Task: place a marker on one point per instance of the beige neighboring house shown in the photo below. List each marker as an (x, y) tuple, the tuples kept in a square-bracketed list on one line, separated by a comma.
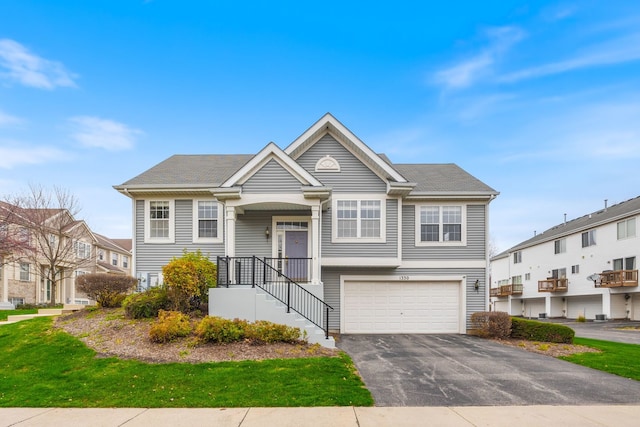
[(24, 267)]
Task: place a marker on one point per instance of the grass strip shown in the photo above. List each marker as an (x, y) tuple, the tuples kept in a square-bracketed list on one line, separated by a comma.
[(41, 366), (5, 313), (614, 357)]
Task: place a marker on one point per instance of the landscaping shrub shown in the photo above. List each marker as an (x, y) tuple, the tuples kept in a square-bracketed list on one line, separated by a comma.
[(188, 280), (169, 326), (491, 324), (146, 304), (541, 331), (269, 332), (108, 290), (219, 330)]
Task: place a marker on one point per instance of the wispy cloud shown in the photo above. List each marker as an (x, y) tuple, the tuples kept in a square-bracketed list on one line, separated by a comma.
[(21, 66), (8, 120), (14, 154), (469, 70), (616, 51), (95, 132), (559, 12)]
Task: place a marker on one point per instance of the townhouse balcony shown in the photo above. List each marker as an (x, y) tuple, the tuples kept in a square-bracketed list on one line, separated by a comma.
[(553, 285), (506, 290), (618, 279)]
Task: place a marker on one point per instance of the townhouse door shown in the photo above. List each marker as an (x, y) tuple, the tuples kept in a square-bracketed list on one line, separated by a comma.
[(295, 250)]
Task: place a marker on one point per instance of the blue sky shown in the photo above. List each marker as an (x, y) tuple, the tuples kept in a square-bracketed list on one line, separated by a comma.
[(540, 100)]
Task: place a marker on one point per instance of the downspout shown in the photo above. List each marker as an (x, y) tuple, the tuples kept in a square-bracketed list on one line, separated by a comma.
[(487, 285), (134, 271)]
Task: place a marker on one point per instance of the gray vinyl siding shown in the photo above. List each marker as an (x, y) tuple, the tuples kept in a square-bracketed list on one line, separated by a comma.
[(369, 250), (354, 176), (331, 278), (476, 237), (150, 257), (250, 232), (272, 178)]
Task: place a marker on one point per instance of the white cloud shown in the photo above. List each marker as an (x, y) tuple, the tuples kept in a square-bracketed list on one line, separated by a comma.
[(28, 69), (559, 12), (95, 132), (8, 120), (14, 155), (468, 71)]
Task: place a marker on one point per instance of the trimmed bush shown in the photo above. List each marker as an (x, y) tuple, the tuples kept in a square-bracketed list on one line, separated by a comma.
[(541, 331), (169, 326), (268, 332), (491, 324), (147, 304), (108, 290), (218, 330), (188, 280)]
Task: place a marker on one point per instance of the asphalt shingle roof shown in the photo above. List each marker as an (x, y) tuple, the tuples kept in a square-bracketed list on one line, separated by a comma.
[(445, 178)]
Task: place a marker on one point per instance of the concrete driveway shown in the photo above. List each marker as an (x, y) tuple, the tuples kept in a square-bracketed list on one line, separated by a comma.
[(461, 370)]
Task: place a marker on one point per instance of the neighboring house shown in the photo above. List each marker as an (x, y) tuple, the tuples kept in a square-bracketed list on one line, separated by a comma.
[(24, 267), (584, 267), (390, 247)]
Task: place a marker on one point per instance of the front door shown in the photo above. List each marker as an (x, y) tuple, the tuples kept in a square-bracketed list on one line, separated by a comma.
[(296, 255)]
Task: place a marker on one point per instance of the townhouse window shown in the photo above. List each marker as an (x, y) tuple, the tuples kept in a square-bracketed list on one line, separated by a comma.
[(25, 269), (575, 269), (359, 219), (588, 238), (52, 240), (436, 224), (16, 301), (559, 273), (125, 261), (101, 255), (560, 246), (503, 282), (159, 221), (627, 229), (82, 249), (527, 276), (114, 259), (24, 235), (207, 221), (517, 257), (516, 280), (628, 263)]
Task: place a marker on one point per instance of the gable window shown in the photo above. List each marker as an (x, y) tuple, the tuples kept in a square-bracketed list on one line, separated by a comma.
[(517, 257), (359, 219), (159, 221), (627, 229), (24, 271), (207, 221), (436, 224), (588, 238), (82, 249), (560, 246), (114, 259)]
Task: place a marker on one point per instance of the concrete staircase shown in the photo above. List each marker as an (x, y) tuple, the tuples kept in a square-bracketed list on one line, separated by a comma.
[(43, 312)]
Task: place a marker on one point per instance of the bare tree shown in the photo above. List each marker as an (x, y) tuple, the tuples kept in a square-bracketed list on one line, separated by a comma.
[(53, 233), (14, 244)]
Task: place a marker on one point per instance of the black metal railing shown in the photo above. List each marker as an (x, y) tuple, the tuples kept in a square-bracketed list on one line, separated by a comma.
[(269, 275)]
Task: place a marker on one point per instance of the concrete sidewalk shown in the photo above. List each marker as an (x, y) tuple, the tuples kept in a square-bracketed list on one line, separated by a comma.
[(522, 416)]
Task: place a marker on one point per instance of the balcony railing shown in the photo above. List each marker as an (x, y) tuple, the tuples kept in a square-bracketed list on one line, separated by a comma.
[(618, 279), (506, 290), (553, 285)]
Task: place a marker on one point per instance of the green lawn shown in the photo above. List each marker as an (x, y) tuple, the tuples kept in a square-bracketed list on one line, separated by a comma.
[(5, 313), (615, 358), (45, 367)]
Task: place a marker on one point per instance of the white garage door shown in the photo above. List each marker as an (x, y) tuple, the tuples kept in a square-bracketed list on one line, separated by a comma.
[(587, 306), (401, 307)]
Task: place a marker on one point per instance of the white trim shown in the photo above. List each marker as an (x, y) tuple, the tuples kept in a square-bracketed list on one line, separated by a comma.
[(147, 222), (445, 263), (274, 233), (399, 212), (271, 151), (327, 164), (195, 223), (360, 262), (460, 279), (463, 227), (359, 198), (256, 198)]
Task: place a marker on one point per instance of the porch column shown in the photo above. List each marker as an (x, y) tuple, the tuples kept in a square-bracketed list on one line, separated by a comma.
[(315, 247), (606, 303), (4, 303), (230, 231)]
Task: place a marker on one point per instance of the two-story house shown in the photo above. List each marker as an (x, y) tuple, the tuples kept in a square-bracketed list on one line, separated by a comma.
[(584, 267), (389, 247), (35, 239)]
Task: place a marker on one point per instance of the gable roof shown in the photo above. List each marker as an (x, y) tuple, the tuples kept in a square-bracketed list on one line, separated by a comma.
[(436, 179), (111, 244), (610, 214)]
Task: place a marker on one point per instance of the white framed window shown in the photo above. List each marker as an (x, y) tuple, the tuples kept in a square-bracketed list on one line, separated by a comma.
[(527, 276), (16, 301), (627, 229), (560, 246), (628, 263), (207, 221), (125, 261), (25, 271), (114, 259), (356, 220), (159, 221), (588, 238), (82, 249), (100, 255), (575, 269), (517, 257), (516, 280), (440, 225)]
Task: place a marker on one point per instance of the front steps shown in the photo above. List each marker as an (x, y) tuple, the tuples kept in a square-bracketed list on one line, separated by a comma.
[(43, 312)]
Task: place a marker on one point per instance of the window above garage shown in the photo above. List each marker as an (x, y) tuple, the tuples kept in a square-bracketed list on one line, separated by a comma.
[(441, 225)]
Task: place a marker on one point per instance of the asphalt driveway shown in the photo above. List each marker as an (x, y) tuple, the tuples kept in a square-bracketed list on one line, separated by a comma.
[(625, 331), (462, 370)]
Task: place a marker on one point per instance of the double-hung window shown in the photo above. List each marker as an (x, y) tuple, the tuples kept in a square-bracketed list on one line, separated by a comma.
[(82, 249), (560, 246), (359, 219), (207, 221), (437, 224), (588, 238), (627, 228), (114, 259), (25, 269), (159, 221)]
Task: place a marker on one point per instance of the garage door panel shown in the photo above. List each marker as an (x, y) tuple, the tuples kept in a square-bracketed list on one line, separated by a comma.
[(417, 307)]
